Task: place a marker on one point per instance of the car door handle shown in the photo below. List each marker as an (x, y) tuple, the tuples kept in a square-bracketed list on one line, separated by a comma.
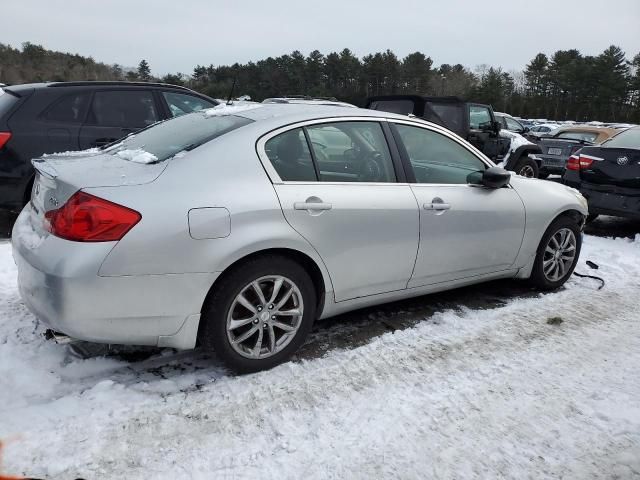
[(437, 206), (312, 206)]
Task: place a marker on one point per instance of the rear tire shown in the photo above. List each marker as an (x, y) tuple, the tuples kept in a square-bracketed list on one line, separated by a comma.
[(527, 168), (236, 318), (552, 266)]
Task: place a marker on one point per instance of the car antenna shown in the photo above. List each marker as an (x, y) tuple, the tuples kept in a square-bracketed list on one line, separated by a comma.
[(233, 86)]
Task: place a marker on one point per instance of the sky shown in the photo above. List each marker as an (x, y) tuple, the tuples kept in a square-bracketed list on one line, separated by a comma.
[(175, 36)]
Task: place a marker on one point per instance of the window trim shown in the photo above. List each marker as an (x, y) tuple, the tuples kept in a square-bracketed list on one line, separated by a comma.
[(442, 131), (275, 178)]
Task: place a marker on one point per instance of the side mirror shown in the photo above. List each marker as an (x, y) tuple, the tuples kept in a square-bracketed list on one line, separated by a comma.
[(526, 129), (497, 126), (495, 177)]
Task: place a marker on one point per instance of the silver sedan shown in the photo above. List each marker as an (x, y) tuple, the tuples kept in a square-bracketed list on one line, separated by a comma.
[(237, 227)]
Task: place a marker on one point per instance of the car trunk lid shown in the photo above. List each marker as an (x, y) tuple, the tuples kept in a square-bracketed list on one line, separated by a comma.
[(60, 176), (612, 166)]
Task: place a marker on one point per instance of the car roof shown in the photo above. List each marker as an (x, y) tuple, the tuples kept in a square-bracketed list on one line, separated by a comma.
[(90, 83), (271, 116), (587, 129)]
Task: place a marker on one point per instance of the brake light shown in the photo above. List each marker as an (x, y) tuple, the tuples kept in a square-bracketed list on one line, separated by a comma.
[(87, 218), (4, 138), (578, 162)]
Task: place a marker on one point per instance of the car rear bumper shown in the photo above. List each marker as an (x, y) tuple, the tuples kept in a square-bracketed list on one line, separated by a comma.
[(59, 283), (552, 163), (616, 202)]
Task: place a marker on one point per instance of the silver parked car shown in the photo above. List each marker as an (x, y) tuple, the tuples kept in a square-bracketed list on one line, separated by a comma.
[(235, 228)]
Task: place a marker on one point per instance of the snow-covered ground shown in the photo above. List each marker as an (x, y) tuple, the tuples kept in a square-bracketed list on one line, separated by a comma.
[(465, 393)]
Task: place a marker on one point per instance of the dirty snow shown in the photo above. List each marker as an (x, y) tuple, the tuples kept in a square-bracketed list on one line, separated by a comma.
[(233, 109), (494, 393), (137, 155)]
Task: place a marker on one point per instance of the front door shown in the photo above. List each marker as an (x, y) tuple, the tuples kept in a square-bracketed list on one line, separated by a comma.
[(466, 230), (338, 188)]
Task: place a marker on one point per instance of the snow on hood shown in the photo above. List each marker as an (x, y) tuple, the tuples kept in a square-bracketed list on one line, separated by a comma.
[(225, 109), (138, 156)]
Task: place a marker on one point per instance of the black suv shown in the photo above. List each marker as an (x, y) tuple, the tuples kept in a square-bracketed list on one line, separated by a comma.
[(475, 122), (41, 118)]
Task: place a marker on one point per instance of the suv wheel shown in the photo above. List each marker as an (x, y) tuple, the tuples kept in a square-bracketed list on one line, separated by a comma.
[(557, 254), (260, 314), (527, 167)]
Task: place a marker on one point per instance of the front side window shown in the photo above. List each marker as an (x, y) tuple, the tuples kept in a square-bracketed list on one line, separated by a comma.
[(479, 117), (123, 108), (179, 103), (68, 109), (438, 159), (351, 152), (513, 125)]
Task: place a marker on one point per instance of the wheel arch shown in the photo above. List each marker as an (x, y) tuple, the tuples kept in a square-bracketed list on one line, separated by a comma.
[(308, 263)]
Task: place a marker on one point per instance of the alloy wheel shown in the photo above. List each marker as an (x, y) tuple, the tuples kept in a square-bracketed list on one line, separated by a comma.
[(264, 317), (559, 254)]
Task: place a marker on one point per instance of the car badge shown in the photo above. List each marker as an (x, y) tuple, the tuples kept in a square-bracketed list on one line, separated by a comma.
[(53, 201), (622, 160)]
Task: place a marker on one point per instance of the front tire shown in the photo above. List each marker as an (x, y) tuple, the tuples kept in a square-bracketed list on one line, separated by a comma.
[(557, 254), (260, 314)]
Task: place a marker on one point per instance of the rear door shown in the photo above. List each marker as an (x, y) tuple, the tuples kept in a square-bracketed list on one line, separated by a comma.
[(114, 114), (341, 190), (466, 230)]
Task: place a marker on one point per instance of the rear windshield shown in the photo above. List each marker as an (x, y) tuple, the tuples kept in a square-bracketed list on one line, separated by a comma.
[(627, 139), (7, 101), (182, 134), (582, 136)]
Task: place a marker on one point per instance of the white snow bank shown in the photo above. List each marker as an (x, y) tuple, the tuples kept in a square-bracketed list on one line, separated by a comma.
[(224, 109), (138, 155), (469, 394), (75, 153)]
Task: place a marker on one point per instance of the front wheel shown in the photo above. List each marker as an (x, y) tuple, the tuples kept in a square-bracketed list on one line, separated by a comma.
[(557, 254), (527, 168), (260, 314)]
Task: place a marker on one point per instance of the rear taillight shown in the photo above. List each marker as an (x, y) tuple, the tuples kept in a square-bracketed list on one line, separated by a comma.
[(578, 162), (86, 218), (4, 138)]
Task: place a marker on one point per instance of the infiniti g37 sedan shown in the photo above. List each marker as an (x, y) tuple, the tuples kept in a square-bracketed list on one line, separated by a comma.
[(235, 228)]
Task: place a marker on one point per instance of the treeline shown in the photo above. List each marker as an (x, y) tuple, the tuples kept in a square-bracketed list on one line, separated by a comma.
[(566, 85)]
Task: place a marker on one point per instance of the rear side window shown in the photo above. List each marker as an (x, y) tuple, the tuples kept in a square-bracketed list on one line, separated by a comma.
[(627, 139), (179, 103), (7, 101), (181, 134), (123, 108), (68, 109), (290, 156), (403, 107)]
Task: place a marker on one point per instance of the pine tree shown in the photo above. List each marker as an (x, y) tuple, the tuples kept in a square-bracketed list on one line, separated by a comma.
[(144, 71)]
